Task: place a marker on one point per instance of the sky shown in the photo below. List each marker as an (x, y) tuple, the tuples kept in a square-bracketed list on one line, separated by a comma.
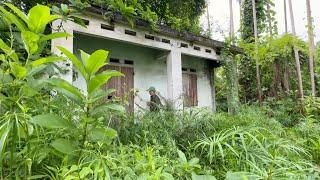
[(219, 17)]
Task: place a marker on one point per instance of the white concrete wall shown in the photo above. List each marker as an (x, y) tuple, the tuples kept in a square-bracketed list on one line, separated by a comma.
[(149, 66)]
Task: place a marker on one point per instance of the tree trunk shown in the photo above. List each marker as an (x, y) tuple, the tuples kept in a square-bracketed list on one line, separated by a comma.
[(259, 89), (232, 76), (285, 16), (311, 49), (286, 78), (231, 20), (208, 20), (276, 63), (296, 55)]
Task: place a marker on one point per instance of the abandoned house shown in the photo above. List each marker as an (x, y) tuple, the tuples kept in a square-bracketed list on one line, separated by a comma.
[(178, 65)]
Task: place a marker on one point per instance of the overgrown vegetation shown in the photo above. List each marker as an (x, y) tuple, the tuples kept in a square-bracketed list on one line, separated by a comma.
[(51, 130), (155, 12)]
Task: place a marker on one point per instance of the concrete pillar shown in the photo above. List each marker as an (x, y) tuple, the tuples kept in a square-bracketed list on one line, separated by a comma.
[(174, 84), (213, 90), (66, 43)]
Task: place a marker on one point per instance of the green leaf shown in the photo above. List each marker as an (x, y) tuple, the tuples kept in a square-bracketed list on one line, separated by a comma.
[(64, 146), (13, 19), (45, 60), (109, 107), (95, 61), (99, 94), (39, 17), (97, 81), (85, 172), (54, 36), (4, 132), (75, 61), (67, 89), (50, 121), (30, 40), (194, 161), (84, 56), (38, 177), (20, 14), (5, 78), (236, 176), (102, 134), (182, 157), (18, 71), (202, 177), (6, 49), (36, 70)]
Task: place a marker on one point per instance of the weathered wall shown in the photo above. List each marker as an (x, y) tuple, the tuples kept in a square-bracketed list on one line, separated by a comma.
[(149, 66)]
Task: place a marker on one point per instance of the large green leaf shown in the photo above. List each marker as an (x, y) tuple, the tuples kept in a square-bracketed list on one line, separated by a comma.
[(85, 172), (54, 36), (18, 12), (108, 107), (97, 81), (4, 132), (102, 134), (45, 60), (67, 89), (64, 146), (18, 71), (84, 56), (96, 61), (10, 52), (13, 19), (39, 17), (75, 61), (50, 121), (30, 41), (100, 94)]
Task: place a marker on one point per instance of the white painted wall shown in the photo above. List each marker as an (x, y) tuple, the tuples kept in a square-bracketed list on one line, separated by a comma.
[(148, 68)]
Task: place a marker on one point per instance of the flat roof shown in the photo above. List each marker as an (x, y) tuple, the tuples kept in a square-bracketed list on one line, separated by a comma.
[(167, 31)]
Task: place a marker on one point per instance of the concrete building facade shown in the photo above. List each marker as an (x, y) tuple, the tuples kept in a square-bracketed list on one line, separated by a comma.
[(179, 68)]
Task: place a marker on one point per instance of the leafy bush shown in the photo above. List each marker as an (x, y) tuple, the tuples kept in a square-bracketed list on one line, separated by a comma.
[(49, 129)]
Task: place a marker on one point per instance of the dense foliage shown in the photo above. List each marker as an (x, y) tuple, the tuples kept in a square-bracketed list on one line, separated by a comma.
[(51, 130), (179, 15)]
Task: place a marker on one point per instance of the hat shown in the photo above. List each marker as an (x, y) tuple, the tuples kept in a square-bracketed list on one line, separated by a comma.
[(151, 89)]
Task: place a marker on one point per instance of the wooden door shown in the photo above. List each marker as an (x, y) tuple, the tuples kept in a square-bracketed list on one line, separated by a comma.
[(190, 90), (123, 86)]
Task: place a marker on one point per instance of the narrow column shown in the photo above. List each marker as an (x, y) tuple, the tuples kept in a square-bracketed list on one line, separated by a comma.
[(66, 43), (174, 84), (212, 77)]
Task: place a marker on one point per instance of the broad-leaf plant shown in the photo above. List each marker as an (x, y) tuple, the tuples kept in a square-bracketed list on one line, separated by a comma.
[(28, 82)]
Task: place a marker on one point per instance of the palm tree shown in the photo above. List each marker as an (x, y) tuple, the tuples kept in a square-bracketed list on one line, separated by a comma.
[(296, 55), (259, 89), (311, 49)]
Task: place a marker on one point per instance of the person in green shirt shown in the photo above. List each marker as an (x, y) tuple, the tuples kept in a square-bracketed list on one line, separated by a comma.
[(155, 102)]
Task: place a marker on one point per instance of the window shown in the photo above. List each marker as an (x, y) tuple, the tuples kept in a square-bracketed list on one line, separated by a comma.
[(107, 27), (190, 91)]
